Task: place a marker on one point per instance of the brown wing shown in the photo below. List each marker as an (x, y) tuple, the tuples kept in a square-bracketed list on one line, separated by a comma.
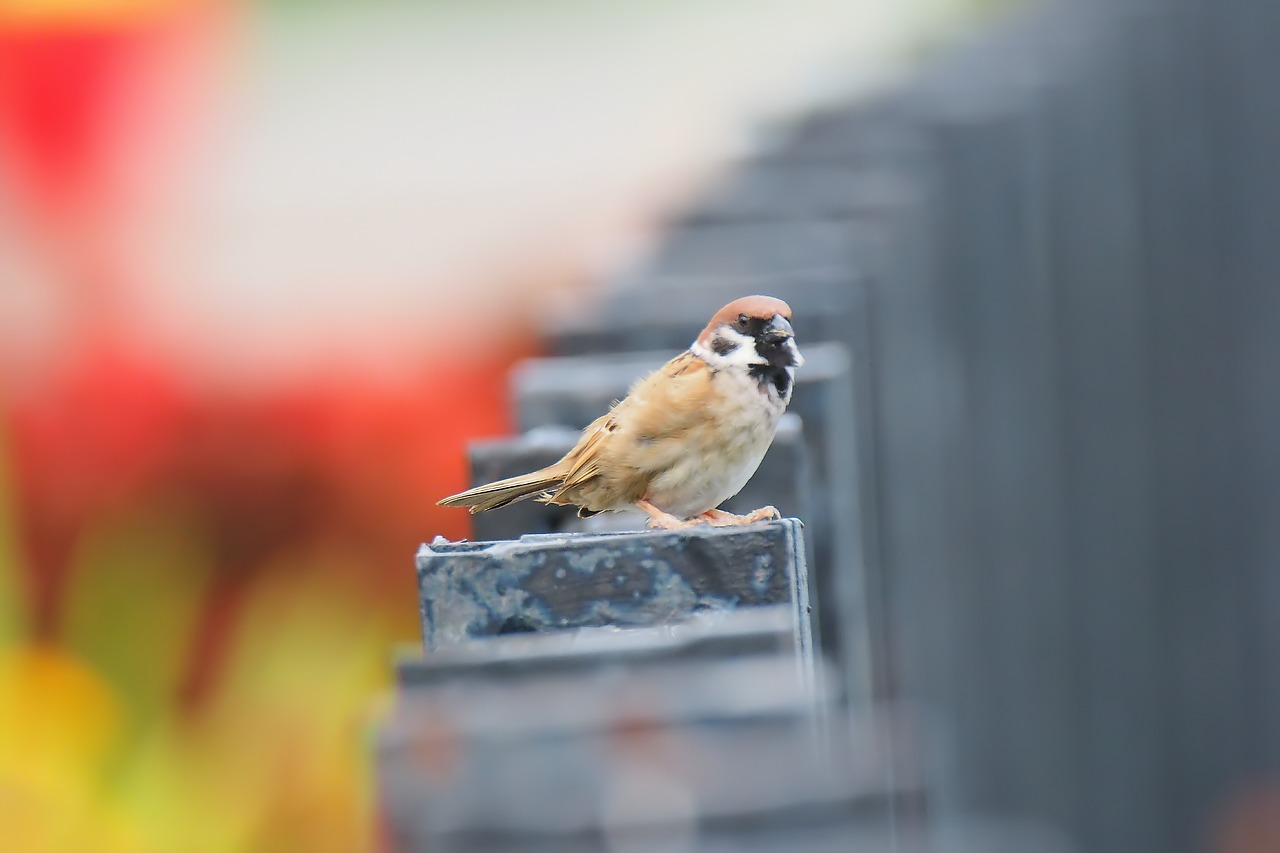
[(640, 437), (669, 403), (584, 459)]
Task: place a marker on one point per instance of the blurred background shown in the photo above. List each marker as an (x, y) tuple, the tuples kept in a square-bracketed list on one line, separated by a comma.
[(264, 267)]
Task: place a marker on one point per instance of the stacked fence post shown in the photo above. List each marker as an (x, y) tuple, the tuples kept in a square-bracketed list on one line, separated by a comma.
[(1034, 456)]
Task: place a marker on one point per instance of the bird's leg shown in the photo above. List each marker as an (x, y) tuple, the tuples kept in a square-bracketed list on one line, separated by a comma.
[(720, 518), (663, 520)]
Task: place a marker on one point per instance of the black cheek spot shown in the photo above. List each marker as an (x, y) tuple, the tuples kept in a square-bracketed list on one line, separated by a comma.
[(723, 346)]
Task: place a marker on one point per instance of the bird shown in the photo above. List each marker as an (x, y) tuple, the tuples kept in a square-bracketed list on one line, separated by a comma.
[(686, 438)]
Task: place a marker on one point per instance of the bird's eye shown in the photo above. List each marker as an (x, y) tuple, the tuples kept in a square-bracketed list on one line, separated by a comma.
[(742, 322)]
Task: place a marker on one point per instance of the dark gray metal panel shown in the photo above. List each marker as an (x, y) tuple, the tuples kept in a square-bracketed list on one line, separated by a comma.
[(704, 745), (1220, 306), (915, 411), (1132, 347), (971, 450), (1008, 595), (1243, 111), (1203, 672), (1104, 409), (1239, 40)]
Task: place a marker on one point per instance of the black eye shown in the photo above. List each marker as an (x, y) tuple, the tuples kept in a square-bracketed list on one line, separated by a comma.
[(742, 322)]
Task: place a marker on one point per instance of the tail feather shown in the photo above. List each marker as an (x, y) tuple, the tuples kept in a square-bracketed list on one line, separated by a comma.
[(498, 494)]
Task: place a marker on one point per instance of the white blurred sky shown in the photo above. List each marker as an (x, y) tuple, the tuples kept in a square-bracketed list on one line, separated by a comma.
[(384, 178)]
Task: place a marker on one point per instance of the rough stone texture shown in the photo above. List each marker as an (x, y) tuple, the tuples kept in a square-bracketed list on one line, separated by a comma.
[(782, 480), (555, 581)]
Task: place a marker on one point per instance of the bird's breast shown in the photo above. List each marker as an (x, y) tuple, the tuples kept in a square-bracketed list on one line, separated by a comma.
[(721, 456)]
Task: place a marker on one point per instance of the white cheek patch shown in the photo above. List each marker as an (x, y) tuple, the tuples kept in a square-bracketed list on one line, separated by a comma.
[(742, 355), (795, 352)]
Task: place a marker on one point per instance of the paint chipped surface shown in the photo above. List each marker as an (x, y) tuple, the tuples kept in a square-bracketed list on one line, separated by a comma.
[(556, 581)]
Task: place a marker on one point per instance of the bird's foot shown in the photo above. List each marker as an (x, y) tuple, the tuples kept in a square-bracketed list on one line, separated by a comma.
[(660, 520), (720, 518)]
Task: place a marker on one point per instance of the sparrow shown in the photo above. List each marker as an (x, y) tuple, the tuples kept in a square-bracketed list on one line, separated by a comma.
[(686, 438)]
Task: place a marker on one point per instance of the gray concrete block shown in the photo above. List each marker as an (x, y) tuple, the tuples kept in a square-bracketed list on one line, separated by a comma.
[(708, 635), (546, 582)]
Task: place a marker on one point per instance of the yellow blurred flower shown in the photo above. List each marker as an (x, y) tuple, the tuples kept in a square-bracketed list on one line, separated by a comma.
[(59, 727)]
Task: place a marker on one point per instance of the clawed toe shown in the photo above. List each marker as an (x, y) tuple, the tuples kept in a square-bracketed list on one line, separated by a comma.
[(719, 518), (660, 520)]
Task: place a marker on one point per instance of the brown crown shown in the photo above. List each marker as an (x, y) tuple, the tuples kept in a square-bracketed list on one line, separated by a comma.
[(762, 307)]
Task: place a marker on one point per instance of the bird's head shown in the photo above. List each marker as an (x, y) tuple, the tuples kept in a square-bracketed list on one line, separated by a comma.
[(754, 331)]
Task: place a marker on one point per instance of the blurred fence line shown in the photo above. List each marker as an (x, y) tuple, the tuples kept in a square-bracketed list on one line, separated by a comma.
[(1072, 343), (1052, 259), (1073, 353)]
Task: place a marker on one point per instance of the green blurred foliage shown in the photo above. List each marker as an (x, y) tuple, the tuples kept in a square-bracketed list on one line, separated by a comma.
[(11, 589), (137, 589)]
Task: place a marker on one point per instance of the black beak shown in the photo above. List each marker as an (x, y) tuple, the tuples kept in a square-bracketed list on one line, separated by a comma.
[(778, 330)]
